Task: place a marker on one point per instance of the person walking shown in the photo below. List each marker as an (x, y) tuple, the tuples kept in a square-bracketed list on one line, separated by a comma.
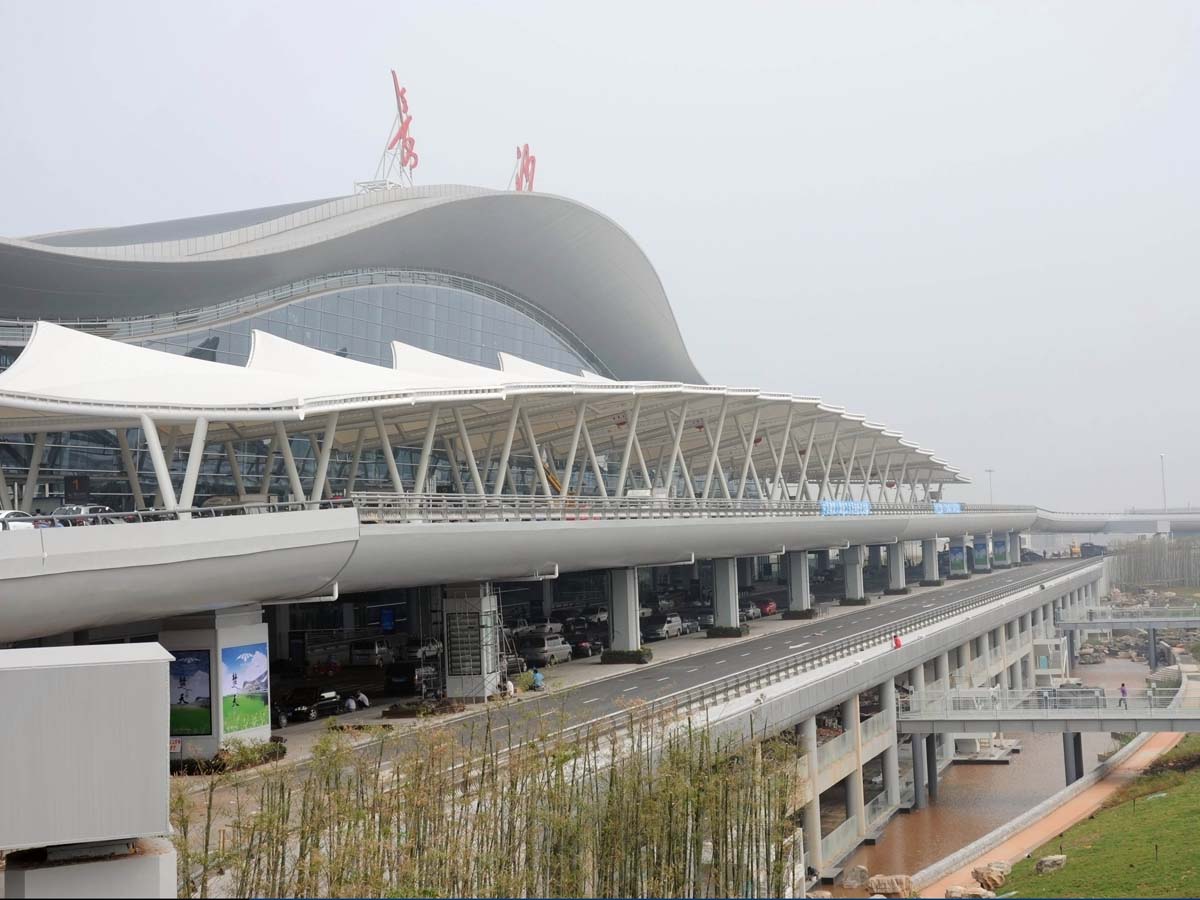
[(1123, 703), (895, 642)]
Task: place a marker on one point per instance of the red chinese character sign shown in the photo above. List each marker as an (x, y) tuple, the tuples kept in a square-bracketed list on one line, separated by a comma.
[(402, 140), (526, 167), (399, 157)]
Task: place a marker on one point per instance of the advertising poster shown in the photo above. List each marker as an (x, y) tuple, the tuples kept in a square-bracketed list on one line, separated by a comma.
[(981, 555), (191, 693), (1000, 548), (958, 559), (245, 687)]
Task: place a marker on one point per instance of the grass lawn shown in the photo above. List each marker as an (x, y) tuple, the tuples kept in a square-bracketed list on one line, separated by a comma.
[(1113, 854), (251, 711), (186, 720)]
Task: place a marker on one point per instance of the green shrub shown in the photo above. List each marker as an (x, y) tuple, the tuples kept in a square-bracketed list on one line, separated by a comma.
[(233, 756), (799, 614), (724, 631), (615, 657), (524, 681), (847, 601)]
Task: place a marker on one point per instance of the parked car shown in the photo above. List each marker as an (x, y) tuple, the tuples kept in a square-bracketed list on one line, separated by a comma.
[(583, 647), (421, 650), (310, 704), (279, 717), (514, 664), (767, 607), (406, 678), (691, 626), (538, 625), (372, 652), (751, 611), (596, 614), (662, 627), (544, 649), (16, 520), (706, 618), (87, 514)]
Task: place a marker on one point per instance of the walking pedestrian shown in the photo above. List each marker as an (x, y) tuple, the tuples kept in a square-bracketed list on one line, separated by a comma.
[(895, 642), (1124, 701)]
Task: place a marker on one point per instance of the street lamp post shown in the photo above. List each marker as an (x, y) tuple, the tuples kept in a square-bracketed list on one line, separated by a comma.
[(1162, 463), (991, 495)]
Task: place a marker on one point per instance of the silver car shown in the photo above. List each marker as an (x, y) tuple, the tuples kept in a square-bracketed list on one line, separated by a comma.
[(544, 649), (15, 520)]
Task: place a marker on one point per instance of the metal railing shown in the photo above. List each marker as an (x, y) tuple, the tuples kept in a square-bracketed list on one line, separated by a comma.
[(107, 516), (743, 683), (1049, 703), (1103, 614), (392, 507)]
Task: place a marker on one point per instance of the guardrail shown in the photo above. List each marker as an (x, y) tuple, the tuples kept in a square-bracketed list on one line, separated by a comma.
[(392, 507), (741, 683), (1049, 703), (92, 515), (1104, 614)]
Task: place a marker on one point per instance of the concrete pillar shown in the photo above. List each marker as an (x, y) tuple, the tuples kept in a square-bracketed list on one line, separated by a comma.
[(929, 564), (348, 616), (919, 770), (852, 566), (891, 756), (1152, 650), (875, 556), (1077, 752), (1000, 550), (548, 597), (822, 559), (1070, 652), (983, 553), (931, 761), (896, 584), (941, 672), (799, 592), (745, 570), (964, 665), (1014, 548), (624, 613), (812, 809), (958, 557), (855, 806), (1069, 757), (725, 593)]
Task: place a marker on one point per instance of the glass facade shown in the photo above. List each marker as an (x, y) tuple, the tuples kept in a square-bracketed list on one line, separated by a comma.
[(360, 323)]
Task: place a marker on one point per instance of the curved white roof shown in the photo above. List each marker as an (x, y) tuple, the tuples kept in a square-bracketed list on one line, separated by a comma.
[(69, 379)]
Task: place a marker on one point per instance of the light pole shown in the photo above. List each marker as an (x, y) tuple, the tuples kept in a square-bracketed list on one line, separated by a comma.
[(1162, 464), (991, 496)]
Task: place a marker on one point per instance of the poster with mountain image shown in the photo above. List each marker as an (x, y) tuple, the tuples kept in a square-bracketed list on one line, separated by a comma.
[(245, 687), (191, 693)]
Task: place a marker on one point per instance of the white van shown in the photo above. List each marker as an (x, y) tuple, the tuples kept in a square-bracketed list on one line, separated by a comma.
[(372, 652)]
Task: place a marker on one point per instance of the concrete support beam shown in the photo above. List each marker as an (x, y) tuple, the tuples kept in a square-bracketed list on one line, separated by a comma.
[(799, 590), (624, 611), (548, 597), (725, 593), (929, 564), (931, 757), (812, 809), (891, 756), (855, 803), (958, 557), (822, 559), (1077, 750), (895, 564), (1014, 548), (1152, 650), (1068, 740), (983, 553), (918, 771), (852, 567)]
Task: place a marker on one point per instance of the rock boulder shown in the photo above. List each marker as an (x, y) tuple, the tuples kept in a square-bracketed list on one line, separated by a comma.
[(978, 893), (820, 895), (856, 877), (1000, 866), (1050, 864), (954, 892), (890, 885)]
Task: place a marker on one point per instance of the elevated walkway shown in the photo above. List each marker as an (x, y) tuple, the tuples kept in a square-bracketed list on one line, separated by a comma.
[(1051, 710), (1131, 617)]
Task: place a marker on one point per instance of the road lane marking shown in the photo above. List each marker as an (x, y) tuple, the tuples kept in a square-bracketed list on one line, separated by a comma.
[(745, 654), (593, 700), (693, 669), (552, 712), (718, 662), (798, 646), (665, 678), (628, 689)]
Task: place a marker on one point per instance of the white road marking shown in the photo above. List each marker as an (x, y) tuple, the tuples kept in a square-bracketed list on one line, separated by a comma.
[(718, 662), (593, 700), (745, 654), (498, 727), (628, 689), (552, 712), (798, 646), (665, 678), (694, 669)]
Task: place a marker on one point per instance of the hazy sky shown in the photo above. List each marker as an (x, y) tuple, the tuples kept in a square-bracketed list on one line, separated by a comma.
[(974, 222)]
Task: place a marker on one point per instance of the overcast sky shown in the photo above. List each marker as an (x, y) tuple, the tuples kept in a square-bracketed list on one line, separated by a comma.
[(976, 223)]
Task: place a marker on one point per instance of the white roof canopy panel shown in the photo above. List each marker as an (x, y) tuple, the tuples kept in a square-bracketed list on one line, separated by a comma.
[(66, 379)]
